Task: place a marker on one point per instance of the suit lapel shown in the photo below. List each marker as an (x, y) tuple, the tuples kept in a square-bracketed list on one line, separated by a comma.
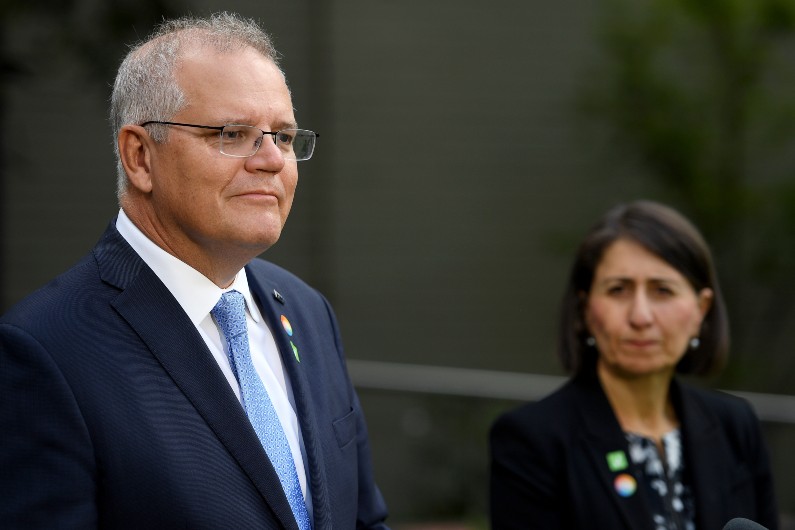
[(277, 303), (604, 441), (147, 305)]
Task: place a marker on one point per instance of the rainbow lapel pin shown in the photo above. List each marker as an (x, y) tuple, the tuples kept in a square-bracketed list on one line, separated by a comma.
[(288, 328), (286, 325), (625, 485)]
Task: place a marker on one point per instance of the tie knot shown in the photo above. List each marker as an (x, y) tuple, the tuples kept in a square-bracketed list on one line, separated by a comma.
[(230, 312)]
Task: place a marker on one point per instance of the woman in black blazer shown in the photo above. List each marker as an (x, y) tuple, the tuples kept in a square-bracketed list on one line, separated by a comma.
[(625, 444)]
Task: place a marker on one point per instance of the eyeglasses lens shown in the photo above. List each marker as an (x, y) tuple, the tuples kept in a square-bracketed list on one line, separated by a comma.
[(244, 141)]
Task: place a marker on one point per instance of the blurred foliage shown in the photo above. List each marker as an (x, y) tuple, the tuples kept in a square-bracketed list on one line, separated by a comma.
[(700, 94), (39, 36), (92, 33)]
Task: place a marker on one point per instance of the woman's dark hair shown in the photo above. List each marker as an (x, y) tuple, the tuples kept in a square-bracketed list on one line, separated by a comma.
[(670, 236)]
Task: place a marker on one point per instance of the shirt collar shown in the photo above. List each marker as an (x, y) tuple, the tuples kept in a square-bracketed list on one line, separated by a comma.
[(194, 292)]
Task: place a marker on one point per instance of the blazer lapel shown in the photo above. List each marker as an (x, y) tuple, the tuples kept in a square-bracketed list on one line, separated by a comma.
[(277, 303), (705, 458), (608, 451), (147, 304)]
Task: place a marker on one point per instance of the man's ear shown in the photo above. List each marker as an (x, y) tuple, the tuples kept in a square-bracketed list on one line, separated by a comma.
[(135, 147)]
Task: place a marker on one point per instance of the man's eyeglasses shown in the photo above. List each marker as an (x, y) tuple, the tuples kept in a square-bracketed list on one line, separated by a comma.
[(242, 141)]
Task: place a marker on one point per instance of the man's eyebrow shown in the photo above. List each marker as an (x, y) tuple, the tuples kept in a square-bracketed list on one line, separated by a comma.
[(278, 125), (250, 119)]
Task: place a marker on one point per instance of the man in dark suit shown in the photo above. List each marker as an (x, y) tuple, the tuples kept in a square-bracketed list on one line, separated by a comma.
[(128, 400)]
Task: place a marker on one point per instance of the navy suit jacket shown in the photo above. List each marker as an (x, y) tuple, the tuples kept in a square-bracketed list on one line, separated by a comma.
[(549, 467), (113, 412)]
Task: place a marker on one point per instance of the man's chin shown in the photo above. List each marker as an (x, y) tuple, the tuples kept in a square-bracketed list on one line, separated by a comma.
[(264, 241)]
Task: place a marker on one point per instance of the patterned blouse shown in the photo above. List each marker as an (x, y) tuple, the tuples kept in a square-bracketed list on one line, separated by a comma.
[(670, 496)]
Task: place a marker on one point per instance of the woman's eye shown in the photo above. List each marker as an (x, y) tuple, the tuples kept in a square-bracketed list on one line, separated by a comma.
[(663, 291)]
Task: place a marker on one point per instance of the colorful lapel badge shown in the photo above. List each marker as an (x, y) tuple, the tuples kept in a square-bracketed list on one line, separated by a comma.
[(289, 330), (625, 485), (286, 325), (616, 460)]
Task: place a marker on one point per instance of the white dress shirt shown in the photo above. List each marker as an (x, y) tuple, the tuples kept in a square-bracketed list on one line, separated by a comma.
[(197, 296)]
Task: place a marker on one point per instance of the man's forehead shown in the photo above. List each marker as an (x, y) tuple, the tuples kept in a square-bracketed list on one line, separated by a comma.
[(243, 87), (215, 67)]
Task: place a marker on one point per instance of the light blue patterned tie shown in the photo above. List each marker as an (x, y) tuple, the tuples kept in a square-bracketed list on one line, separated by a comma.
[(230, 313)]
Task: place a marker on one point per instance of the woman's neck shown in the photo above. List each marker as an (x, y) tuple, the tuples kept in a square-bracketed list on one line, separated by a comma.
[(641, 404)]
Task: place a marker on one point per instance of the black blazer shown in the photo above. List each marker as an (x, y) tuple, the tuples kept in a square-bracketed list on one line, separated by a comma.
[(549, 466), (114, 414)]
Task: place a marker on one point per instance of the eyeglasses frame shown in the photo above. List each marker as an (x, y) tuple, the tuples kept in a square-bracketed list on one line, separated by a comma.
[(220, 129)]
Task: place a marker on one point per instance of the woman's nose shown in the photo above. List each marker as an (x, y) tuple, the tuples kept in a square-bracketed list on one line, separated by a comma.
[(640, 313)]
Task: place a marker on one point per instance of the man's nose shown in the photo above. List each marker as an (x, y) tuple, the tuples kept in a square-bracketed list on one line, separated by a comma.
[(268, 157)]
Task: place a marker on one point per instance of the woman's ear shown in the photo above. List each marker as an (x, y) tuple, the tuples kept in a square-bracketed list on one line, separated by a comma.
[(135, 147), (705, 297)]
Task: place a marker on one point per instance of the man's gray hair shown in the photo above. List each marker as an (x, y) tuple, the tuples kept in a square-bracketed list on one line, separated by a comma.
[(146, 87)]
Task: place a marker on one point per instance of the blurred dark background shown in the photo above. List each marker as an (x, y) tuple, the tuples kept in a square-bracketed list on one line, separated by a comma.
[(465, 149)]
